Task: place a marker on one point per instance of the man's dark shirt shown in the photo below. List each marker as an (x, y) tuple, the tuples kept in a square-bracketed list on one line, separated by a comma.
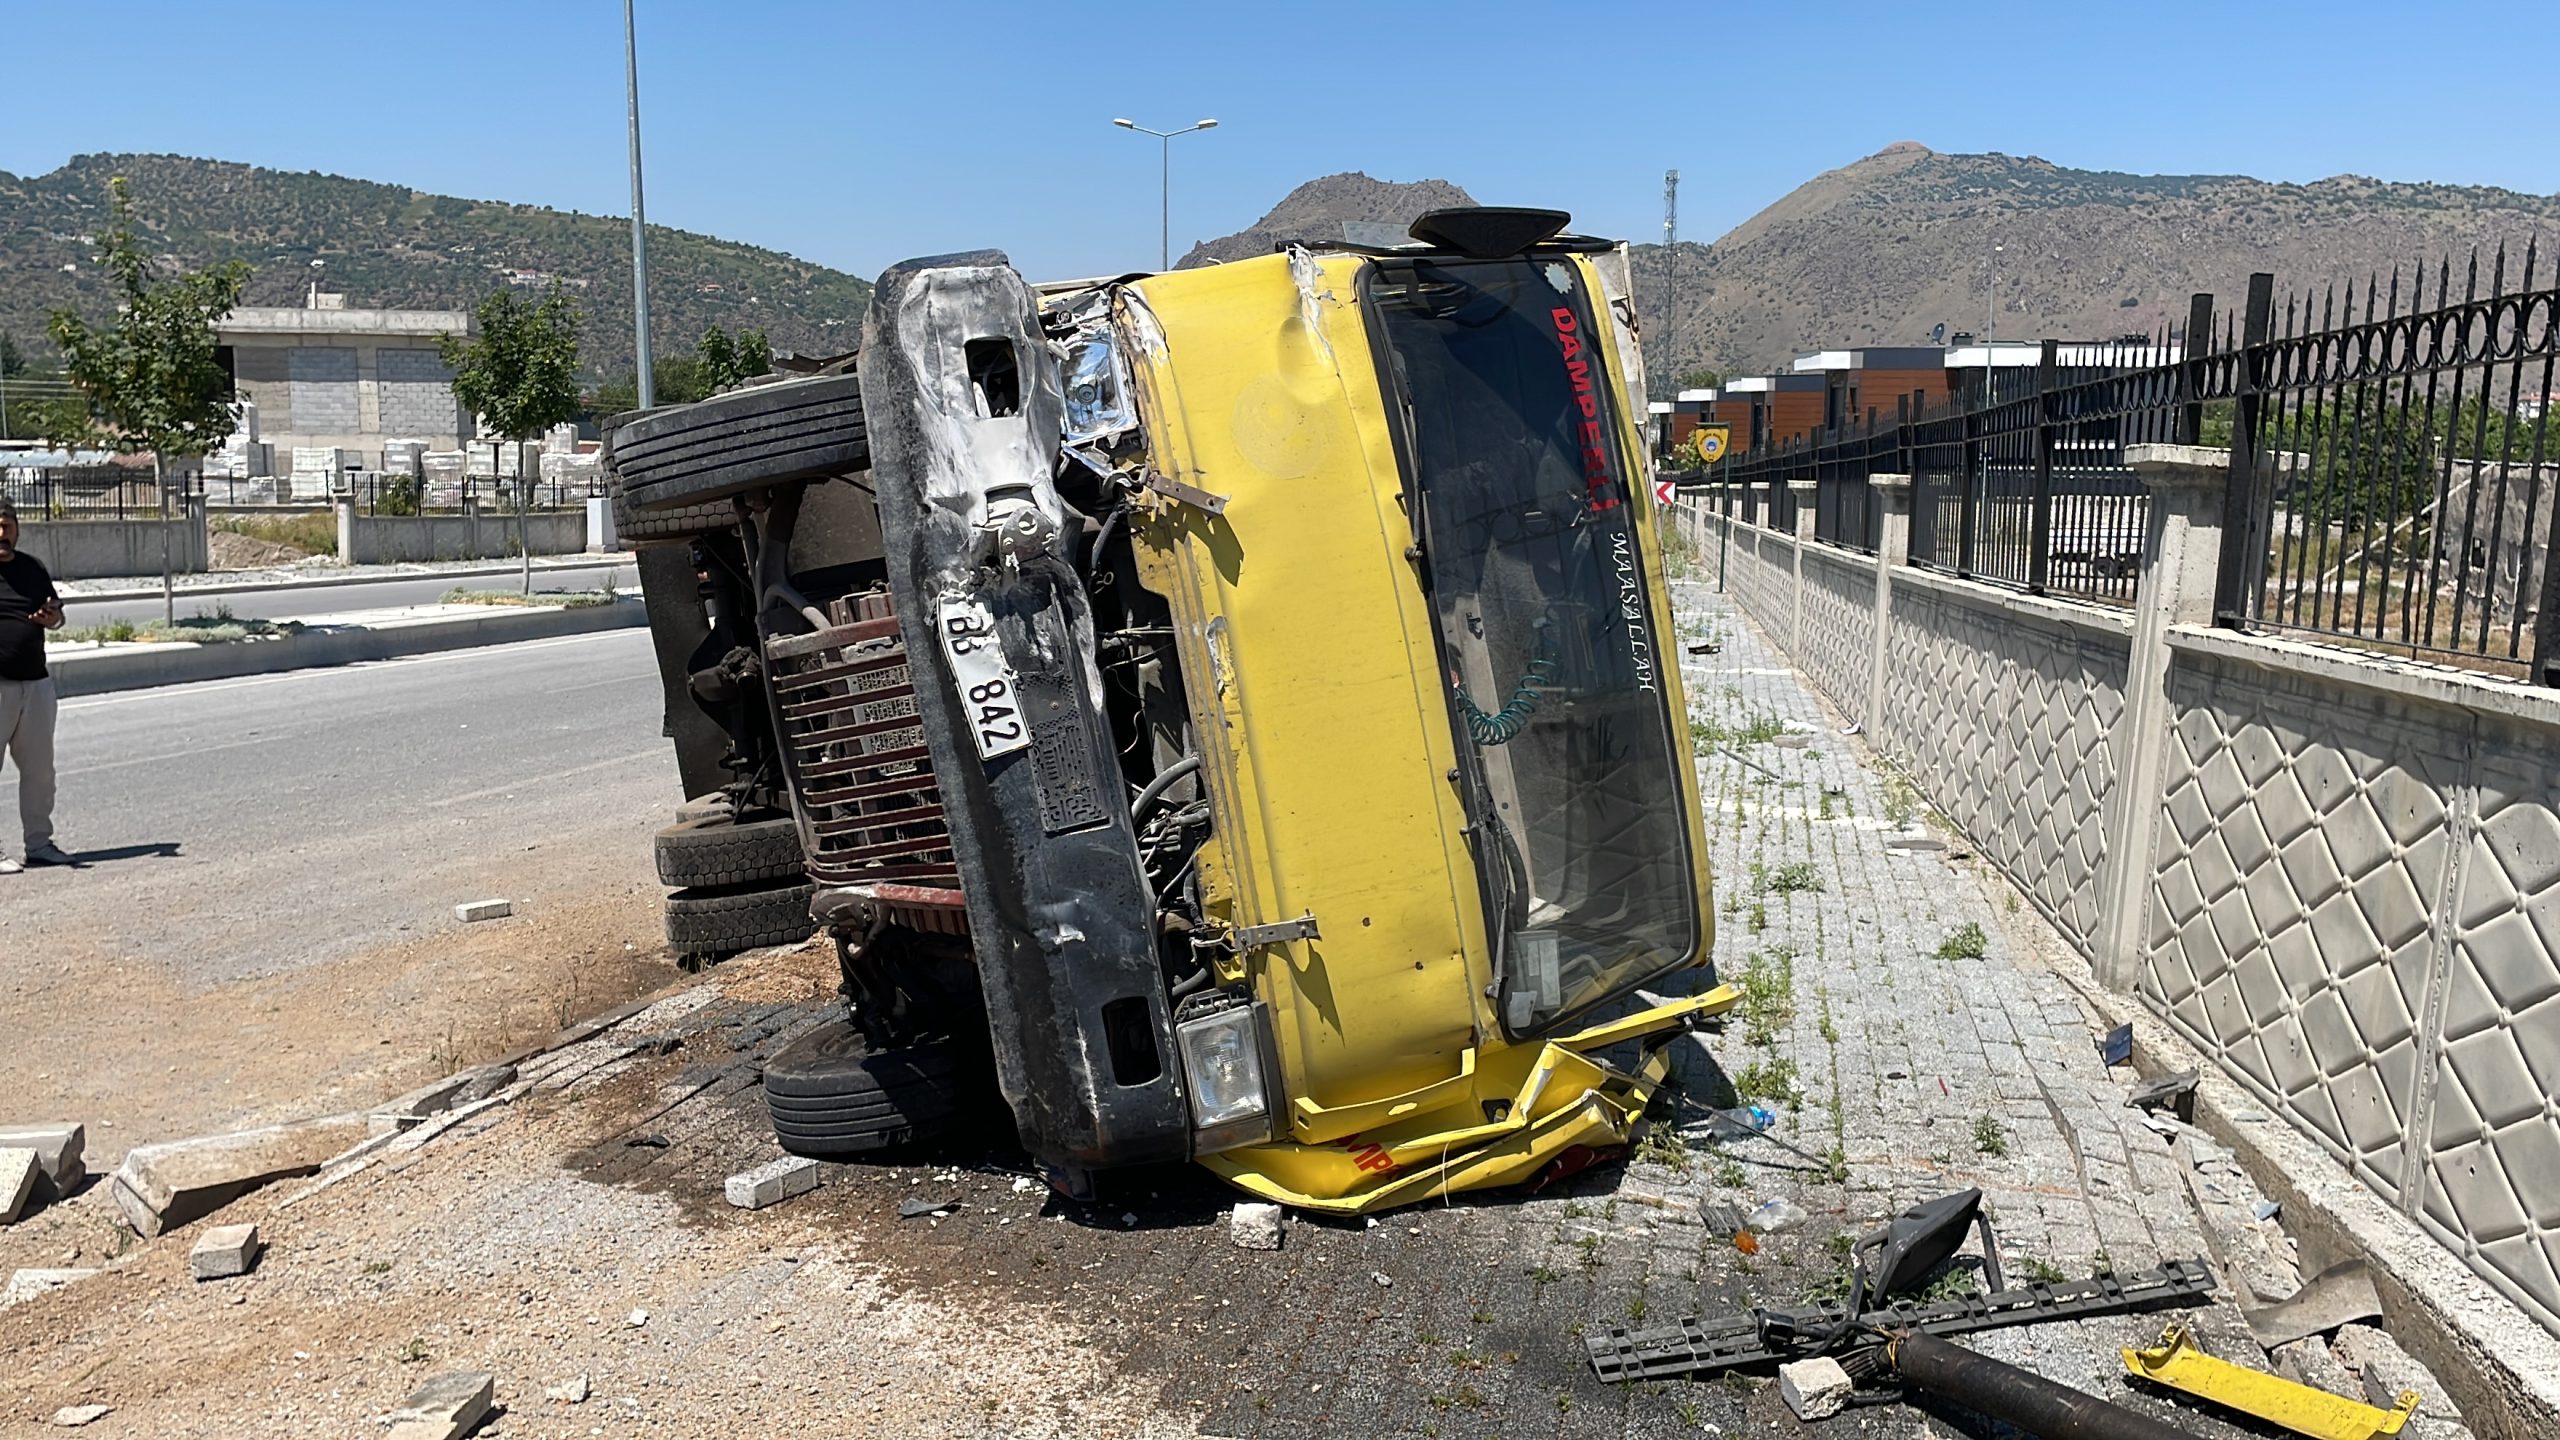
[(25, 587)]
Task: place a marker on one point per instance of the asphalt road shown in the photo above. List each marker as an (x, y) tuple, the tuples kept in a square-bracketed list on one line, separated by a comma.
[(302, 600), (243, 828)]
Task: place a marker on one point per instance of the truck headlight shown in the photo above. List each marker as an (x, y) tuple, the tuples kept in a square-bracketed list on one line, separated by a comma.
[(1223, 1059)]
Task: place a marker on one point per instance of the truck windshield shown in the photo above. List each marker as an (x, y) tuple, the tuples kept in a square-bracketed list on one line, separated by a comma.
[(1539, 592)]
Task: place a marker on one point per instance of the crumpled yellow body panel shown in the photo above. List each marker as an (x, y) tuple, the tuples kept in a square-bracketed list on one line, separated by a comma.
[(1552, 1098)]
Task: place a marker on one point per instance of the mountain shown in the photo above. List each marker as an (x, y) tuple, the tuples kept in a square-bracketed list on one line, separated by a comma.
[(1879, 251), (1316, 210), (390, 246)]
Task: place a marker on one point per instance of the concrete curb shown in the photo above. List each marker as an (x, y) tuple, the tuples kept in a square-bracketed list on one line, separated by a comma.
[(99, 672), (541, 563)]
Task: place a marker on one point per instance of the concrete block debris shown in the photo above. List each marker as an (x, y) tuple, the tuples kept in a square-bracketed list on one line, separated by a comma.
[(470, 910), (572, 1391), (1814, 1389), (224, 1251), (447, 1407), (72, 1417), (59, 1150), (462, 1087), (160, 1187), (25, 1285), (19, 1167), (773, 1183), (1255, 1225)]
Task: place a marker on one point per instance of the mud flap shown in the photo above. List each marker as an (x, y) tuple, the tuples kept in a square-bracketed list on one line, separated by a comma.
[(961, 398)]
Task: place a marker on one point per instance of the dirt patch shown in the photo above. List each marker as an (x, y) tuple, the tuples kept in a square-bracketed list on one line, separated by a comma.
[(230, 550), (144, 1058)]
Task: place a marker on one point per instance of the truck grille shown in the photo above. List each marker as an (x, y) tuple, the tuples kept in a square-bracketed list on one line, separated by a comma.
[(870, 815)]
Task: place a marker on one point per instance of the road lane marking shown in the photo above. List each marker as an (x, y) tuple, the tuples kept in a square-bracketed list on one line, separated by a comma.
[(534, 780)]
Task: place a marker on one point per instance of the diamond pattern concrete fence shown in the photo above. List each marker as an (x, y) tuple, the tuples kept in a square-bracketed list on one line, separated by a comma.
[(2348, 887), (1839, 625)]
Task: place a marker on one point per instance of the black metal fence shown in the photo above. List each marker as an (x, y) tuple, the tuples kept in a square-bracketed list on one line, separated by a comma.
[(86, 492), (2391, 479)]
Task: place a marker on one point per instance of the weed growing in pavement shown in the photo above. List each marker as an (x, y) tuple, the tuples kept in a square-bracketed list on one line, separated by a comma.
[(1760, 729), (1564, 1402), (1988, 1137), (1768, 983), (1824, 813), (1689, 1415), (310, 534), (1795, 877), (1471, 1397), (1481, 1316), (1830, 1032), (1575, 1209), (2037, 1270), (1771, 1079), (377, 1267), (1965, 942), (1759, 920), (1901, 802), (1730, 1176), (1589, 1245), (1546, 1275), (1663, 1146), (1705, 733), (1427, 1339), (415, 1352)]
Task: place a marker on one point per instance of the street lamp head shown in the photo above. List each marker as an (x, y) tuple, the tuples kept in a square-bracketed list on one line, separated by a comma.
[(1206, 125), (1126, 124)]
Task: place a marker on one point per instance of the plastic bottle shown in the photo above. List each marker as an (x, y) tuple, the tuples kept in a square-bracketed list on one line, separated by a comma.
[(1750, 1119), (1773, 1216)]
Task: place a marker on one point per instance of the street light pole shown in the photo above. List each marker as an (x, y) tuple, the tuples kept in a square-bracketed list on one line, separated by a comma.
[(639, 217), (1164, 184), (1990, 287)]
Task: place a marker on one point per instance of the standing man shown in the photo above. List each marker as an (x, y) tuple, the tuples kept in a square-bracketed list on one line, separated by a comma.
[(29, 606)]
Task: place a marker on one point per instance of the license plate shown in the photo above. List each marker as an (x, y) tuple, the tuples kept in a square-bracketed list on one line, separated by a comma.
[(990, 705)]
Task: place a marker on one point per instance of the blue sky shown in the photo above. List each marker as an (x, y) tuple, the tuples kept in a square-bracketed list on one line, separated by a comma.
[(857, 133)]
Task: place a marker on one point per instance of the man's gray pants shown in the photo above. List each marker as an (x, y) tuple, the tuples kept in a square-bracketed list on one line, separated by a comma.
[(28, 710)]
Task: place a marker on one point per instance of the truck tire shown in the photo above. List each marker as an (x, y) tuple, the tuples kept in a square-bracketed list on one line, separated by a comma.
[(726, 852), (708, 923), (829, 1093), (633, 528), (685, 455)]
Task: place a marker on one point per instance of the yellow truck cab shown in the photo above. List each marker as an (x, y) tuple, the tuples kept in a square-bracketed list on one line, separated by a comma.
[(1286, 649)]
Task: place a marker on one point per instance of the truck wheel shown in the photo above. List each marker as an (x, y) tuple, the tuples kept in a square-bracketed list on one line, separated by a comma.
[(709, 923), (632, 527), (726, 852), (829, 1093), (683, 455)]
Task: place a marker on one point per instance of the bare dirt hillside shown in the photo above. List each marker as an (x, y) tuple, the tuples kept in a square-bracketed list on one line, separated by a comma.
[(1879, 251), (1316, 210)]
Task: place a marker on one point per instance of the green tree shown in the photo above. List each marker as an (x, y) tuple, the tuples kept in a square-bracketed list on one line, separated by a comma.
[(12, 364), (148, 380), (1701, 379), (520, 376), (720, 361)]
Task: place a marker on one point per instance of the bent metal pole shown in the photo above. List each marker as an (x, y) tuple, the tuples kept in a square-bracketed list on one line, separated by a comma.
[(2022, 1398)]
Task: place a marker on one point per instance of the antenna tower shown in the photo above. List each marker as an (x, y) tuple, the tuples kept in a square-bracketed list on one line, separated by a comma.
[(1670, 207)]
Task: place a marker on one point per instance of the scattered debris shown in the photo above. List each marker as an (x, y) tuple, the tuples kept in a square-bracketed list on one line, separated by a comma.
[(1255, 1225), (651, 1141), (1706, 647), (1382, 1278), (58, 1148), (2265, 1210), (224, 1251), (2175, 1093), (463, 1087), (1696, 1347), (2385, 1370), (636, 1319), (572, 1391), (2334, 1297), (772, 1183), (18, 1170), (1721, 1219), (445, 1408), (2116, 1046), (1814, 1389), (1917, 840), (72, 1417), (1024, 1184), (1772, 1216), (25, 1285), (471, 910), (161, 1187), (917, 1207), (2179, 1363)]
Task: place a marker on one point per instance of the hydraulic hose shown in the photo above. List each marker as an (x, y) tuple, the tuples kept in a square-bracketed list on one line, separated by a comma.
[(1165, 778), (2022, 1398)]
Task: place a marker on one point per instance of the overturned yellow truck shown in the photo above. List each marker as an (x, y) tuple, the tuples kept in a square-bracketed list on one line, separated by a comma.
[(1235, 712)]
